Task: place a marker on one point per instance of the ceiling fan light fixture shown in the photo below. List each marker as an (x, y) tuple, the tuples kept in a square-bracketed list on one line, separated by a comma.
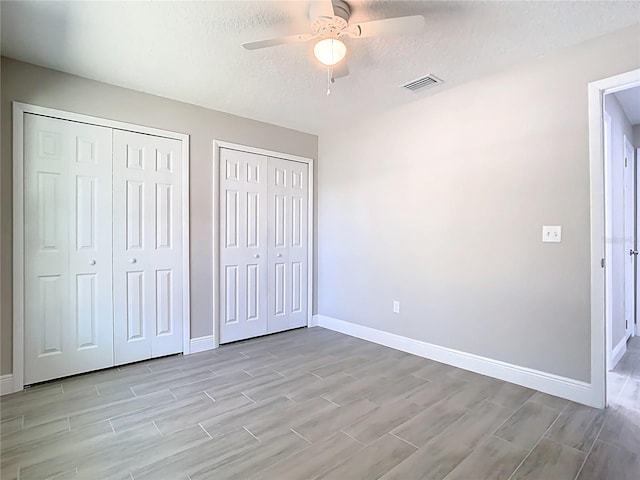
[(330, 51)]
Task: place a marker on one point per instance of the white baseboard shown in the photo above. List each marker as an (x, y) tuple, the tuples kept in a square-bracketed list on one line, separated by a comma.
[(6, 384), (617, 352), (313, 322), (202, 344), (550, 383)]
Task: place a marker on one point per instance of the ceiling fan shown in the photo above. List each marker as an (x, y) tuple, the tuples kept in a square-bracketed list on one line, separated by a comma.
[(330, 24)]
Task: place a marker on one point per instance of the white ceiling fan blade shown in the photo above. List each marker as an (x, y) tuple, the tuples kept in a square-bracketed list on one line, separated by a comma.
[(388, 26), (340, 70), (272, 42)]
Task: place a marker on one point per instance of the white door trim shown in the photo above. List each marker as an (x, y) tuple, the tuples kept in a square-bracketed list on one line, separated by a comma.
[(217, 145), (608, 234), (597, 90), (19, 110)]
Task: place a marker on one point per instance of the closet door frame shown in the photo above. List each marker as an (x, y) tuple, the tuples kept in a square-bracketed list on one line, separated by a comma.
[(19, 110), (217, 145)]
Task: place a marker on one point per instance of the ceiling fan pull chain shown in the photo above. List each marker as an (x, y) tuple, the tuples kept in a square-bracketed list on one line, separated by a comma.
[(328, 81)]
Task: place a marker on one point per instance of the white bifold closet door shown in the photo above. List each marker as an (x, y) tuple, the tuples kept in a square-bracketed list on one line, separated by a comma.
[(67, 249), (263, 245), (147, 241), (102, 247)]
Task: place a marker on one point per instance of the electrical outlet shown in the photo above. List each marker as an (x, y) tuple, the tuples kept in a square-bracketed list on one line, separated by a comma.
[(396, 306), (552, 233)]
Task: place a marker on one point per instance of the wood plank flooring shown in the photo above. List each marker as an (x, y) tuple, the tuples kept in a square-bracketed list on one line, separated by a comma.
[(306, 404)]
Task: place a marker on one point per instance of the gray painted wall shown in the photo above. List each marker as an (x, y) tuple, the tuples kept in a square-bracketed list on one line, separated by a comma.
[(636, 136), (440, 204), (620, 126), (40, 86)]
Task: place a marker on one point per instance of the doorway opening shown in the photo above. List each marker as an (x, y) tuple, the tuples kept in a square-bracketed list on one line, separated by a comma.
[(621, 137), (614, 138)]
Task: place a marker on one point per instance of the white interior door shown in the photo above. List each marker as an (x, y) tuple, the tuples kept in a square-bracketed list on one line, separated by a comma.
[(147, 256), (287, 244), (243, 245), (629, 238), (636, 326), (67, 250)]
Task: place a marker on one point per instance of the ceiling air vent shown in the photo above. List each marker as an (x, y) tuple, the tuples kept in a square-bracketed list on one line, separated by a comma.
[(422, 82)]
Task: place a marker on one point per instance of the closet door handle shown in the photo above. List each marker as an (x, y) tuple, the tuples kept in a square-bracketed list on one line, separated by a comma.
[(278, 255), (132, 260), (256, 256), (92, 262)]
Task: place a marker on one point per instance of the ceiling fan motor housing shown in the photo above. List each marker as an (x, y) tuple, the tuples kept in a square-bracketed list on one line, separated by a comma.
[(331, 27)]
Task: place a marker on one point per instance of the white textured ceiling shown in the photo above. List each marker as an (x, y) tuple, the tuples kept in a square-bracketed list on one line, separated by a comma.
[(190, 51)]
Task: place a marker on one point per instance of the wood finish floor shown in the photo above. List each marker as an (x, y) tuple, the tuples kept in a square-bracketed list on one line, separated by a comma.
[(624, 381), (305, 404)]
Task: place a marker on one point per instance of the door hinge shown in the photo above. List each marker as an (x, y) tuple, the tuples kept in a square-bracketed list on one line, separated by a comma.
[(602, 262), (626, 164), (626, 324)]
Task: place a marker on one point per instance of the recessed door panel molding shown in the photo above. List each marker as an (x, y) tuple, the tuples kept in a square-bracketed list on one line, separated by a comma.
[(280, 176), (232, 169), (296, 221), (280, 220), (264, 238), (85, 212), (135, 306), (100, 243), (163, 215), (253, 292), (49, 145), (164, 161), (279, 289), (86, 300), (232, 218), (85, 150), (164, 301), (231, 297), (49, 211), (253, 173), (50, 291), (297, 293), (253, 219), (297, 180), (135, 215), (135, 157)]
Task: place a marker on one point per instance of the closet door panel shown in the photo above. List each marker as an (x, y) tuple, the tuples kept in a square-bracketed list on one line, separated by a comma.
[(298, 246), (243, 245), (287, 220), (67, 218), (147, 255), (167, 234), (279, 228)]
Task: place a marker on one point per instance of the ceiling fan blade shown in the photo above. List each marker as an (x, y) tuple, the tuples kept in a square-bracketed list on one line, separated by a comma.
[(340, 70), (388, 26), (272, 42)]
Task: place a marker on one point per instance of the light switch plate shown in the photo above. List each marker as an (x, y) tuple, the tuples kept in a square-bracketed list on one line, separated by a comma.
[(552, 233)]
